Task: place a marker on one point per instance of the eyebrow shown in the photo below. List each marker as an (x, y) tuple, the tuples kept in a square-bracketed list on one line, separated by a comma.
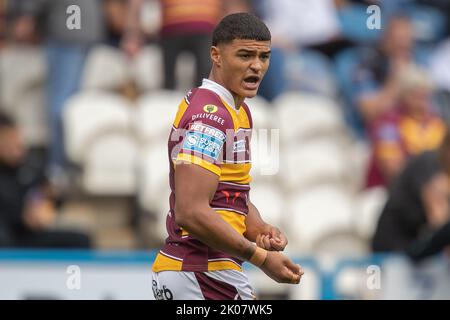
[(252, 51)]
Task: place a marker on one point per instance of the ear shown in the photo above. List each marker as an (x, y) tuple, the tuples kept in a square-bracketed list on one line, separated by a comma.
[(215, 56)]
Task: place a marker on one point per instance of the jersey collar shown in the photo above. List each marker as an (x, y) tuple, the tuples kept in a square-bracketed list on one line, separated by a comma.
[(221, 91)]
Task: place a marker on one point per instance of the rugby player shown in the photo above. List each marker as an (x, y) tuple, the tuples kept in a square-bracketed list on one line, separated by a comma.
[(212, 224)]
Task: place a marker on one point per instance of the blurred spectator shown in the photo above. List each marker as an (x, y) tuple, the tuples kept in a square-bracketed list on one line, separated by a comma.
[(377, 77), (186, 27), (26, 206), (409, 129), (183, 26), (123, 25), (293, 25), (115, 12), (66, 49), (418, 201)]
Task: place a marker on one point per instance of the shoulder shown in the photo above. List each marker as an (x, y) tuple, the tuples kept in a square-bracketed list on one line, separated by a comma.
[(206, 107)]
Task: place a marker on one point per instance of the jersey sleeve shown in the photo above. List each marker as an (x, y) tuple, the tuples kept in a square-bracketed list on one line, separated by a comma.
[(205, 126)]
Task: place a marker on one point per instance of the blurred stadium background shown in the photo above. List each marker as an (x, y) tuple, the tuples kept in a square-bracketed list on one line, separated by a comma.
[(95, 109)]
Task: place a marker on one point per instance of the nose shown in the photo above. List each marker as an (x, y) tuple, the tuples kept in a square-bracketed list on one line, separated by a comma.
[(256, 65)]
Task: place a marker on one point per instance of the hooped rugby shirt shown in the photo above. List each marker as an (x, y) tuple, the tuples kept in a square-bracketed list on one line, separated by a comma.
[(210, 132)]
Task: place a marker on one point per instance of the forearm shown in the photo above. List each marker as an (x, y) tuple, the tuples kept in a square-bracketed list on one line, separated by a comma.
[(207, 226), (375, 104), (254, 223)]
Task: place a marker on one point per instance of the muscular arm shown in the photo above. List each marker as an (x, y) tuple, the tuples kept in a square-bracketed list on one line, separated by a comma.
[(255, 225), (265, 235), (194, 189)]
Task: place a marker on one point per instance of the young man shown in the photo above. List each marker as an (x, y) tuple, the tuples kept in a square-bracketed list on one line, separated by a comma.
[(212, 223)]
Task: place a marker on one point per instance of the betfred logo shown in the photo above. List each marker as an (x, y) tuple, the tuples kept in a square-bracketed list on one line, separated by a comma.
[(205, 129)]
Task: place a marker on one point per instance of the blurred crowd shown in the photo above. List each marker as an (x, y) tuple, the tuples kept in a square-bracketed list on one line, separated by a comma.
[(391, 84)]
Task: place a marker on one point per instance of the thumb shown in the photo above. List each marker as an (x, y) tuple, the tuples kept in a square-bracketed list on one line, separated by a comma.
[(275, 233)]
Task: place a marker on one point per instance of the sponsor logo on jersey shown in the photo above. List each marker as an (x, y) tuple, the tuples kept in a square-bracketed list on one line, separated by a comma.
[(206, 140), (209, 116), (192, 140), (203, 128), (210, 108)]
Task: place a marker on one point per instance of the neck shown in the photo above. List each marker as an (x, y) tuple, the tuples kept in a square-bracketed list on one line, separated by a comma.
[(214, 76)]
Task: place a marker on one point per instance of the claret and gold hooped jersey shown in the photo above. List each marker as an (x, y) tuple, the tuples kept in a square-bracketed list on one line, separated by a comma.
[(210, 132)]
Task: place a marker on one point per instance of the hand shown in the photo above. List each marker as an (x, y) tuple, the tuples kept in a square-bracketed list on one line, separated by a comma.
[(272, 239), (281, 269), (39, 214)]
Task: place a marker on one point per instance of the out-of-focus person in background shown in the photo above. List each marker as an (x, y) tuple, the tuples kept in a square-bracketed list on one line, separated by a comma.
[(409, 129), (377, 78), (418, 202), (295, 28), (186, 27), (26, 207), (67, 46)]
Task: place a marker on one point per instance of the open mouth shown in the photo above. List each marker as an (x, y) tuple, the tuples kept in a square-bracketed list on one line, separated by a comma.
[(251, 82)]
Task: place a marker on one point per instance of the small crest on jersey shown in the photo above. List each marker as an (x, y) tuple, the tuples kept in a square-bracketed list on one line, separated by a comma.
[(210, 108)]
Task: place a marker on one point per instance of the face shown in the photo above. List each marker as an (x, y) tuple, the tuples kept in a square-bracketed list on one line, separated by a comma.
[(240, 65), (12, 149), (399, 37), (115, 12)]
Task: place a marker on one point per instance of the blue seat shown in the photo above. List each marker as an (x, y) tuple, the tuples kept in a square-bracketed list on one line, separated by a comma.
[(429, 23), (353, 21)]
